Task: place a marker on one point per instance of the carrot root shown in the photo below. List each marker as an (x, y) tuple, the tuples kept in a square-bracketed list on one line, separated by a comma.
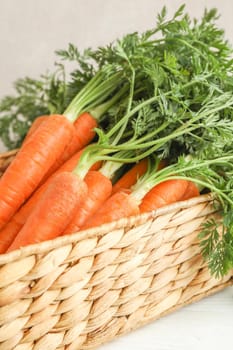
[(165, 193), (54, 210), (83, 135), (33, 160), (99, 189), (35, 125), (191, 191), (119, 205), (131, 176)]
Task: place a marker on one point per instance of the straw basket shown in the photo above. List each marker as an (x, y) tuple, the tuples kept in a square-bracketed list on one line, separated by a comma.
[(80, 291)]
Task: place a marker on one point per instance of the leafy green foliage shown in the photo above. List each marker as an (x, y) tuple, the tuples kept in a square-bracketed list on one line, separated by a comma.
[(83, 72), (34, 98), (217, 244)]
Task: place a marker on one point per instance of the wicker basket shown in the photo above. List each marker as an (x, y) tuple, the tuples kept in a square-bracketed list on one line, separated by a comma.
[(80, 291)]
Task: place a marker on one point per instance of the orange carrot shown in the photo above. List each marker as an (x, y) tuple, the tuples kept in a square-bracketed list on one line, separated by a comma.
[(191, 191), (33, 160), (126, 203), (83, 135), (99, 189), (120, 204), (84, 132), (11, 229), (165, 193), (39, 153), (53, 211), (131, 176), (91, 207), (36, 123)]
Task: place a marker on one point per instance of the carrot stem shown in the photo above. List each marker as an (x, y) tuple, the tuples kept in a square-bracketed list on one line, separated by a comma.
[(109, 168), (99, 111), (95, 92), (130, 101)]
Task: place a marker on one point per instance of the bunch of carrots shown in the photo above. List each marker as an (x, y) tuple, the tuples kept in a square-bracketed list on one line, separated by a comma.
[(79, 193), (69, 185), (152, 127)]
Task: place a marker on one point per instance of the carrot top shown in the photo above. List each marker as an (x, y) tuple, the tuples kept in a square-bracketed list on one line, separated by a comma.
[(94, 93)]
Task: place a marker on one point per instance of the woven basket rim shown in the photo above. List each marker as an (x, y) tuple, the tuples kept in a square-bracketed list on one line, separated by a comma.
[(101, 230)]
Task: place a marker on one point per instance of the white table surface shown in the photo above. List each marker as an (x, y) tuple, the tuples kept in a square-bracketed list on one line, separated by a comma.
[(207, 324)]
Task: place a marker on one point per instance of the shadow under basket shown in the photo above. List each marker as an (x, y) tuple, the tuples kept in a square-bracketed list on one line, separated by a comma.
[(79, 291)]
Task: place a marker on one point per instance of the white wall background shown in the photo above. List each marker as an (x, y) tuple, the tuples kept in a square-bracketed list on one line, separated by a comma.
[(31, 30)]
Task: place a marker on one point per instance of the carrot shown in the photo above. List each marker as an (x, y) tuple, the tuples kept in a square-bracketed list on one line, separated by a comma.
[(131, 176), (36, 123), (84, 131), (54, 210), (83, 135), (104, 190), (11, 229), (164, 193), (99, 189), (33, 160), (127, 203), (191, 191), (50, 139), (120, 204)]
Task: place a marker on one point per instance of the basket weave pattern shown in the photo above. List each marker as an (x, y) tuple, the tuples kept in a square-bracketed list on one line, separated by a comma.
[(5, 160), (82, 290)]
